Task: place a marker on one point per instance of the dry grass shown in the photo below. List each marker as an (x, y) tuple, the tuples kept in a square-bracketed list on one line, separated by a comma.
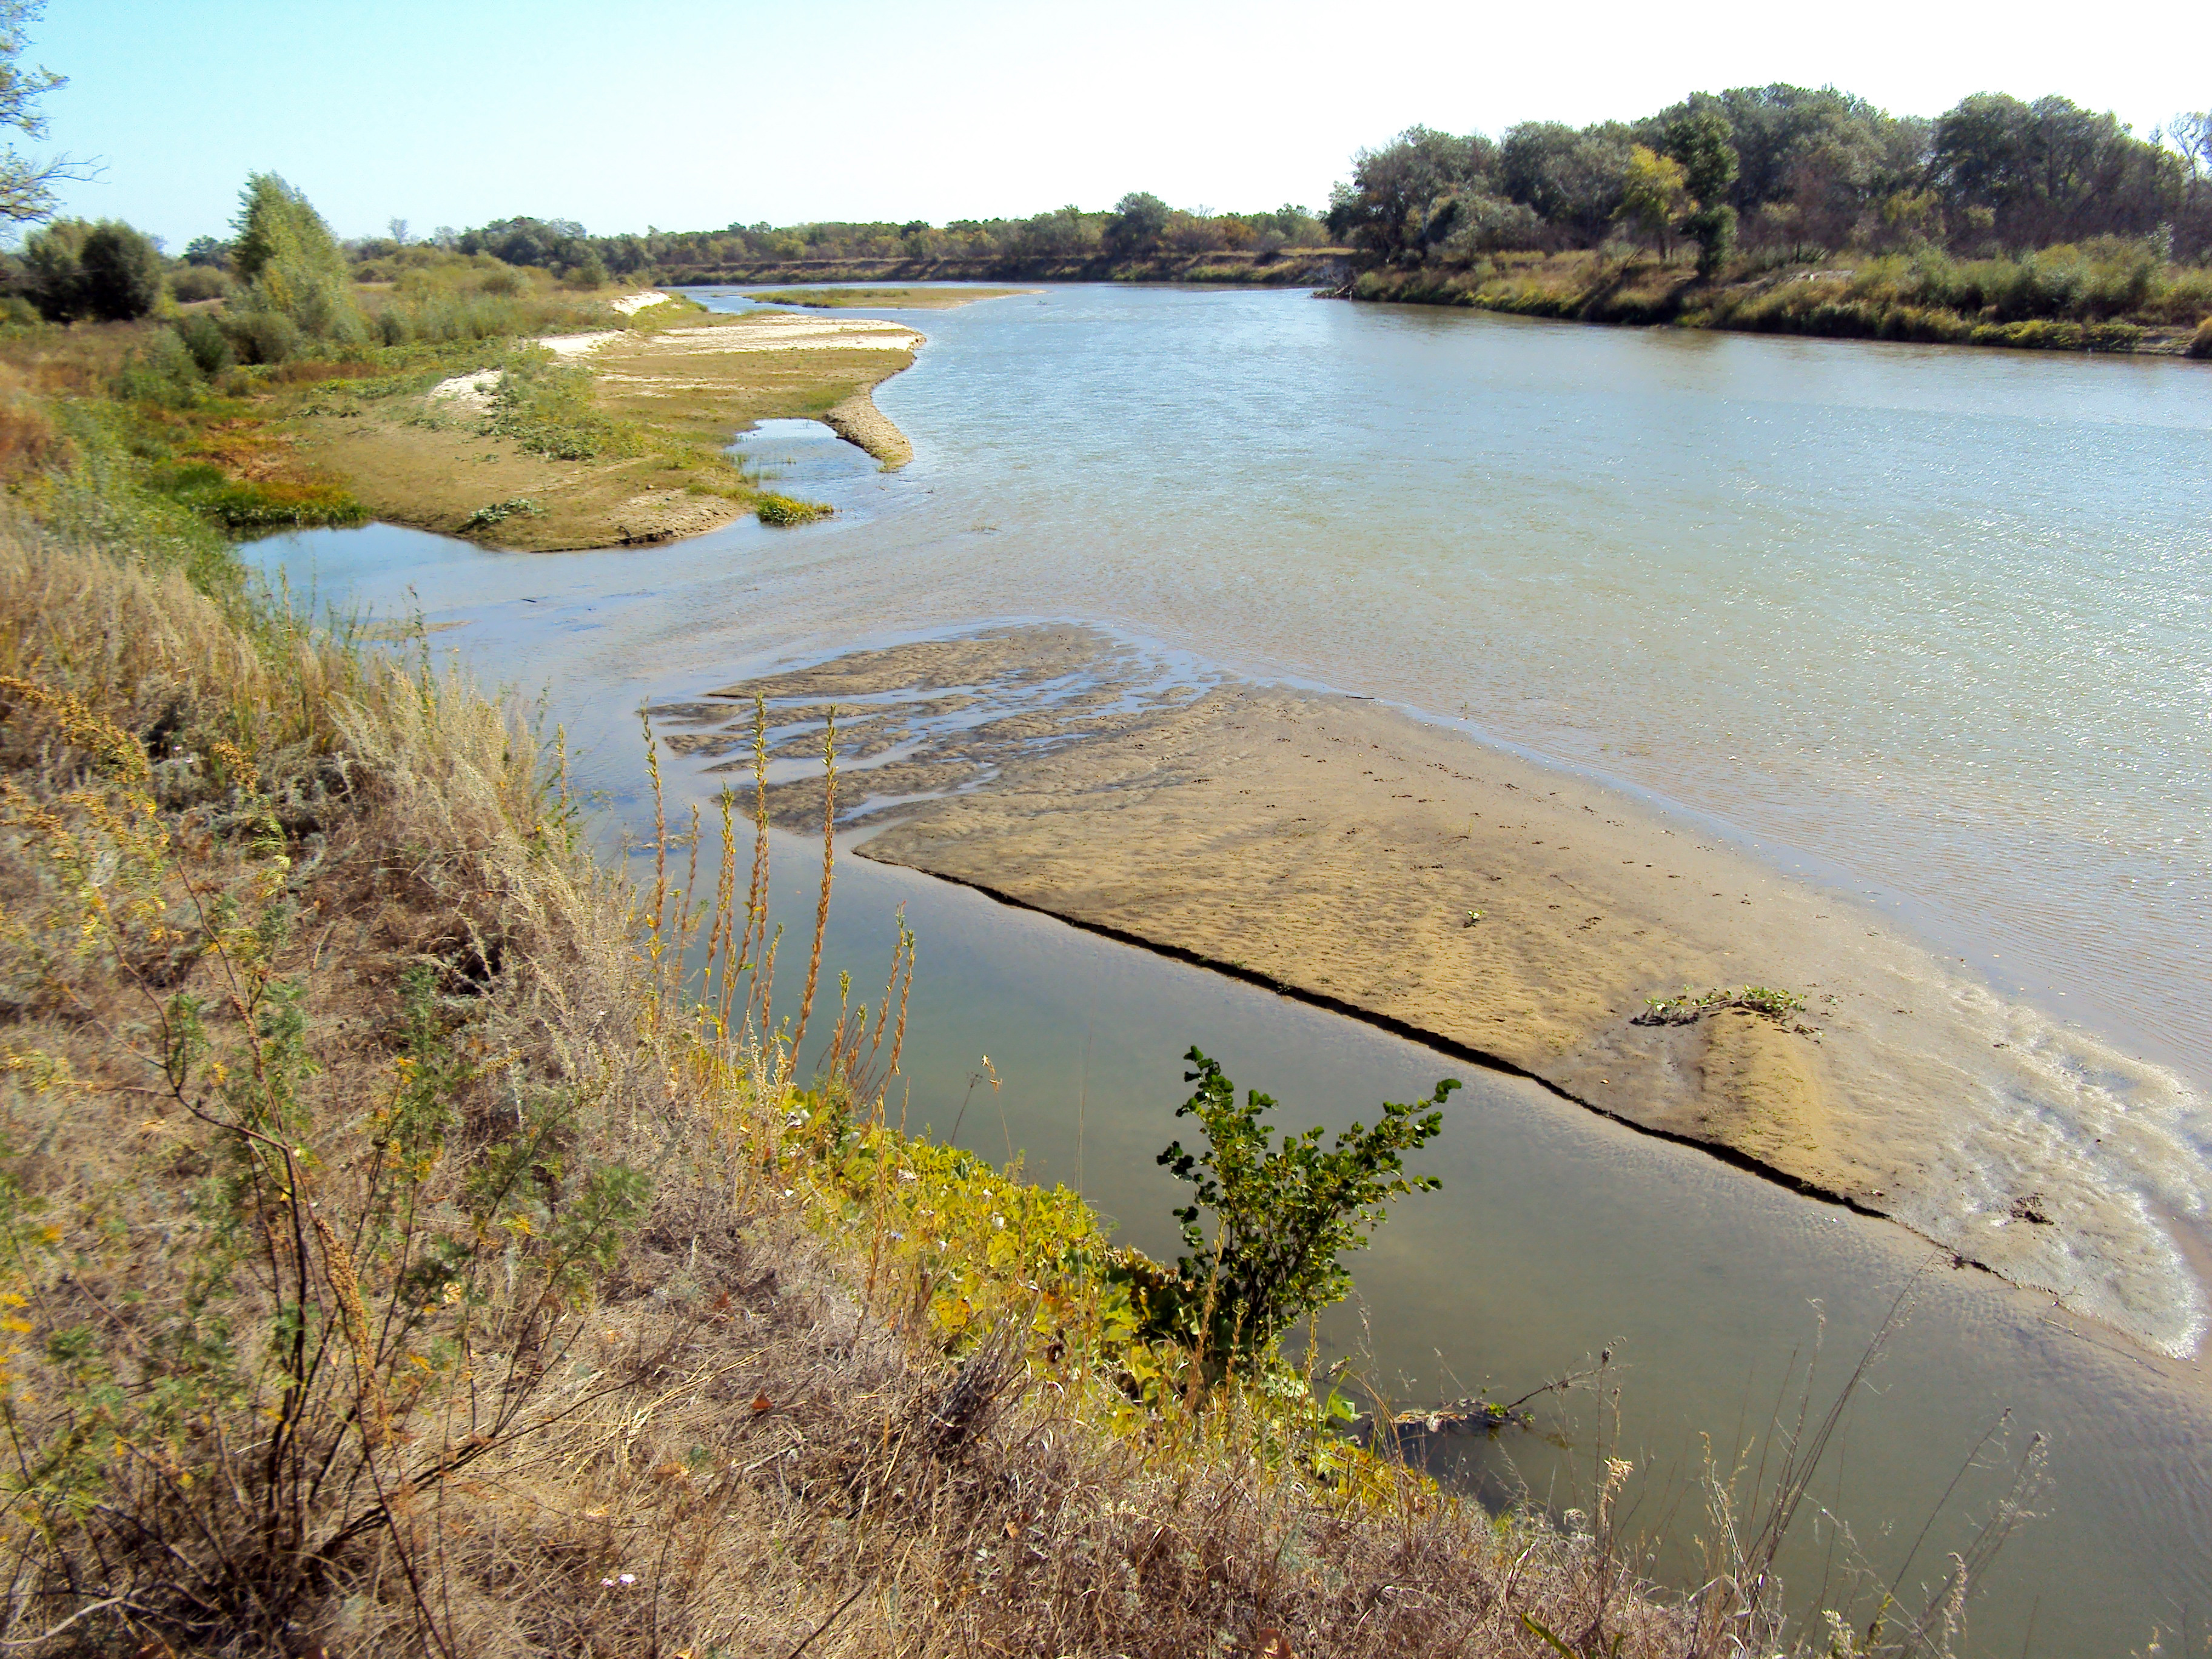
[(408, 1251)]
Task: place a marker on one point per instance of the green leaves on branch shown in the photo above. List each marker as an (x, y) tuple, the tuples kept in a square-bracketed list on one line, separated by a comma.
[(1282, 1218)]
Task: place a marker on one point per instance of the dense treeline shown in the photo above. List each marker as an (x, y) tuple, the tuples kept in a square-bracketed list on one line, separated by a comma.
[(1139, 226), (1789, 172), (2062, 213)]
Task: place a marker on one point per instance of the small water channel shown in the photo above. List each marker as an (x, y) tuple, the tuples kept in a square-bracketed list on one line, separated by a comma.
[(1557, 1234)]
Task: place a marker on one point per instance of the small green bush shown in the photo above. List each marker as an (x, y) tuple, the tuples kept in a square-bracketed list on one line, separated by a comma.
[(210, 348), (1282, 1219), (498, 512), (190, 284), (788, 509), (166, 371)]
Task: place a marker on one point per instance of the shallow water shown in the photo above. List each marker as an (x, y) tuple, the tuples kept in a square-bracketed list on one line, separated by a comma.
[(1930, 627)]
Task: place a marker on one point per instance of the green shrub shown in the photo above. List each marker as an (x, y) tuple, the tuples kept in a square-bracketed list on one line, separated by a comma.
[(789, 509), (498, 512), (53, 272), (1282, 1219), (165, 372), (545, 405), (263, 336), (204, 338), (193, 283)]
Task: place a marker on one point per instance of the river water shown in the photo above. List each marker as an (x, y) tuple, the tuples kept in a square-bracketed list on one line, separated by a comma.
[(1931, 628)]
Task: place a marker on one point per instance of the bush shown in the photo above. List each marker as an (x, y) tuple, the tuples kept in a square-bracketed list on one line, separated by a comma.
[(1281, 1219), (789, 509), (166, 371), (193, 283), (293, 267), (263, 336), (106, 271), (122, 272), (204, 338), (52, 273)]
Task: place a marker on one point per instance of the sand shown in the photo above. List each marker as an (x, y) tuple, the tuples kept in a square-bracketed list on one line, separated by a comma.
[(1346, 853)]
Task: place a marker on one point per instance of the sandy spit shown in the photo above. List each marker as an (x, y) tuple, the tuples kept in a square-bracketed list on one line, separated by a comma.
[(857, 421)]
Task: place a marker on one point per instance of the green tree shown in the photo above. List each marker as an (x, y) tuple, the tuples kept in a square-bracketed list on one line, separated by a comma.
[(1139, 221), (1569, 177), (1700, 140), (27, 186), (1653, 194), (121, 272), (53, 269), (296, 274), (1282, 1219), (1389, 211)]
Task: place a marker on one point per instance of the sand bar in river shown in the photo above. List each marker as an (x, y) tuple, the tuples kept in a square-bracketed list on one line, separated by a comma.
[(1347, 854)]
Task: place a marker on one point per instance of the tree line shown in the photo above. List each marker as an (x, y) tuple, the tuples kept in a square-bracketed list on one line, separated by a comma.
[(1795, 171)]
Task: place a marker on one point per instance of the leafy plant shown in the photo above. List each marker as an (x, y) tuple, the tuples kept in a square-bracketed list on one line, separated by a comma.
[(1282, 1219), (498, 512), (546, 407), (1780, 1006), (788, 509)]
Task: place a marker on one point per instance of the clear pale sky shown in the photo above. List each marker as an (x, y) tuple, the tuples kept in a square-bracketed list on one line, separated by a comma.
[(693, 117)]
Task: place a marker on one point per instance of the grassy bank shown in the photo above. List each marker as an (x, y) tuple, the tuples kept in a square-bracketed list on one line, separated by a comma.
[(411, 1246), (623, 443), (2089, 299)]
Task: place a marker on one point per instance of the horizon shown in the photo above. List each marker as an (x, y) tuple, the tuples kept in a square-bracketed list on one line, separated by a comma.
[(1246, 114)]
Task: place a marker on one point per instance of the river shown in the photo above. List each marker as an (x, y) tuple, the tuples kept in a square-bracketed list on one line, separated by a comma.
[(1931, 628)]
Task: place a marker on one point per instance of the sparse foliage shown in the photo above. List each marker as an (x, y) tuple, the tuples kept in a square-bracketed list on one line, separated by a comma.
[(1282, 1219), (27, 184)]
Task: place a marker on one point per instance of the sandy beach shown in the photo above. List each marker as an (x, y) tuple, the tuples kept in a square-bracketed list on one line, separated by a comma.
[(1345, 853)]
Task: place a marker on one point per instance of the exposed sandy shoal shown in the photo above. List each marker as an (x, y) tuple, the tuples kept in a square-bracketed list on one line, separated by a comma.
[(1335, 847), (857, 421)]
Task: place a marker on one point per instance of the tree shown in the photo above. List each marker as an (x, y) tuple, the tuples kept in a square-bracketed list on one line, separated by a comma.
[(1139, 219), (1569, 177), (1700, 140), (295, 273), (27, 186), (121, 272), (1653, 194), (53, 269), (1281, 1219), (1387, 211)]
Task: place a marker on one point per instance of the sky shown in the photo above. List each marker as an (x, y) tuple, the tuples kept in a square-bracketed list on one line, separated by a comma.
[(687, 117)]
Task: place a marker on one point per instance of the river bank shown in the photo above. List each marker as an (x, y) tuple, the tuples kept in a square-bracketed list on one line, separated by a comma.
[(1865, 299), (621, 440), (1287, 268)]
